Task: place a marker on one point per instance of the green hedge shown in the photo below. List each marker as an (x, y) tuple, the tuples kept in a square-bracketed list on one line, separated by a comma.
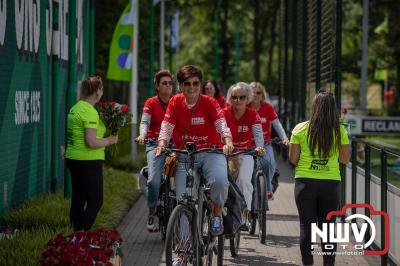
[(118, 156), (41, 219)]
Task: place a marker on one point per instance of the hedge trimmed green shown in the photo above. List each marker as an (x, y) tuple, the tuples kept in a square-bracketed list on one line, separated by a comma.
[(43, 218)]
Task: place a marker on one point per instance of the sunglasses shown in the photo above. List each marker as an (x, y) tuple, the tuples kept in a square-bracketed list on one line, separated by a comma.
[(241, 97), (194, 83), (165, 83)]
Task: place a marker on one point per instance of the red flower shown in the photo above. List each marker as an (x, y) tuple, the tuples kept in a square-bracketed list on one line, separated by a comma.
[(99, 104), (105, 104), (124, 108), (112, 104), (344, 111)]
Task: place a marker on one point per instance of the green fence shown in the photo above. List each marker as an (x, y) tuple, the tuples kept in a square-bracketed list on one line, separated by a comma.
[(44, 53), (309, 54)]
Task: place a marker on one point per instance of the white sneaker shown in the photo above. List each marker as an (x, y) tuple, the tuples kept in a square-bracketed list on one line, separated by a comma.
[(152, 223)]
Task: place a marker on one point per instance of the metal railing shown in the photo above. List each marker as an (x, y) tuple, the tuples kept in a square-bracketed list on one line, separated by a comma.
[(362, 148)]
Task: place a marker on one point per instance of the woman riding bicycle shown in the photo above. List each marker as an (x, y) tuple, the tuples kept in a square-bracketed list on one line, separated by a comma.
[(245, 125), (193, 117), (153, 114), (269, 118)]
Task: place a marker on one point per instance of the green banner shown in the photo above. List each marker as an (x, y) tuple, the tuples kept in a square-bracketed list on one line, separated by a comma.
[(120, 61), (35, 67)]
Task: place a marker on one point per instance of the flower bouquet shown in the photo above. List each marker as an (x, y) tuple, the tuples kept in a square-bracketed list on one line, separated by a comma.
[(99, 247), (114, 115)]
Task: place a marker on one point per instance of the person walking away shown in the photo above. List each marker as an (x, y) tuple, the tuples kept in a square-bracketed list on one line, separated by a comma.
[(85, 154), (316, 148)]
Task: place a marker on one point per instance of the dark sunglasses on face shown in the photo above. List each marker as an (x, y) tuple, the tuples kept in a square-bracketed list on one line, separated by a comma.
[(241, 97), (165, 83), (194, 83)]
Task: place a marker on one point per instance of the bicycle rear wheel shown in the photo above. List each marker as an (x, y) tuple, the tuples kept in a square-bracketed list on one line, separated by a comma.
[(179, 238), (262, 209), (220, 256)]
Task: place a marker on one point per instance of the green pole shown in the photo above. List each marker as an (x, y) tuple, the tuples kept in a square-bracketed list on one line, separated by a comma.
[(237, 49), (151, 83), (91, 38), (217, 37), (72, 82), (170, 57)]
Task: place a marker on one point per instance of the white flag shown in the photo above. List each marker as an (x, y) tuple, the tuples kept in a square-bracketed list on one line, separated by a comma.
[(175, 31)]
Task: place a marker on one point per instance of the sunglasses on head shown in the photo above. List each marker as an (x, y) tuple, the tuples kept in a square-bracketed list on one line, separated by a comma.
[(165, 83), (241, 97), (194, 83)]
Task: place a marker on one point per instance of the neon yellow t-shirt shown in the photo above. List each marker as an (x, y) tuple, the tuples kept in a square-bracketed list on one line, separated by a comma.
[(312, 166), (81, 116)]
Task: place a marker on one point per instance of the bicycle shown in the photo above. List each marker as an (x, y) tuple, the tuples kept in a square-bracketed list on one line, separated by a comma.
[(260, 199), (234, 242), (188, 236), (166, 197)]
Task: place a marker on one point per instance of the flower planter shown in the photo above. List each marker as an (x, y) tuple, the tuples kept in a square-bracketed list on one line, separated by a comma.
[(99, 247)]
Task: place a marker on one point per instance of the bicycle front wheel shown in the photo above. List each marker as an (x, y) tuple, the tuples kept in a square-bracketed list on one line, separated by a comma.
[(234, 244), (179, 238)]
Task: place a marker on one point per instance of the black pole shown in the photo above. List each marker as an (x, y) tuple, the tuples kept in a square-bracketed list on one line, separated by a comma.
[(286, 65), (304, 65), (338, 80), (384, 258), (293, 84), (367, 167), (318, 47), (353, 174)]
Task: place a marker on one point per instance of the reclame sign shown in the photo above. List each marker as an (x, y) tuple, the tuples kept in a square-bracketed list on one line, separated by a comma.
[(389, 125)]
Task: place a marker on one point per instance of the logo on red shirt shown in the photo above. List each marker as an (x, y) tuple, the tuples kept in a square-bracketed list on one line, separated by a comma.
[(198, 121)]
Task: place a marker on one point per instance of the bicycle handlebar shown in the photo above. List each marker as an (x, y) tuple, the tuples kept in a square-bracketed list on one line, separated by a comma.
[(274, 141), (186, 151), (251, 152)]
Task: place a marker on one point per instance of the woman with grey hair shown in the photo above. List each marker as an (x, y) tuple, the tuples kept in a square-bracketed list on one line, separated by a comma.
[(246, 129), (269, 118)]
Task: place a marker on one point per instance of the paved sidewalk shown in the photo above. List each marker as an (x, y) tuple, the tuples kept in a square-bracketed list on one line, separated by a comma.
[(282, 247)]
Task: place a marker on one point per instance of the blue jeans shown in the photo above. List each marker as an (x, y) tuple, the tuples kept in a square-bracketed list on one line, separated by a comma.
[(156, 168), (215, 171), (268, 165)]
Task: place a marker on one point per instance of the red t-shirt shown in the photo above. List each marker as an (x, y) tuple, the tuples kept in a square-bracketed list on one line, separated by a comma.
[(267, 114), (156, 109), (221, 101), (196, 124), (242, 131)]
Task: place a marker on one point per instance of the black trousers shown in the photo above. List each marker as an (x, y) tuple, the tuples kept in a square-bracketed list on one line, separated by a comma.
[(315, 198), (87, 192)]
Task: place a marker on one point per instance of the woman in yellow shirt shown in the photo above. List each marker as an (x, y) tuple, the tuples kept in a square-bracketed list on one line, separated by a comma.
[(316, 148), (85, 155)]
